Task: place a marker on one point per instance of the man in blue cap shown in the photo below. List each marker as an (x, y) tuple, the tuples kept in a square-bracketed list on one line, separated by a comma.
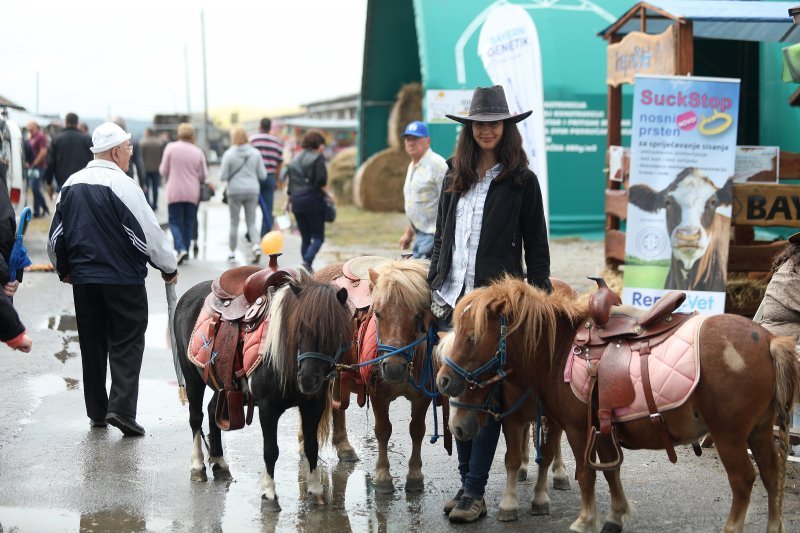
[(421, 190)]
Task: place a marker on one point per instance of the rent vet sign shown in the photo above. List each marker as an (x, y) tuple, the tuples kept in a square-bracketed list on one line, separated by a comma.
[(683, 152)]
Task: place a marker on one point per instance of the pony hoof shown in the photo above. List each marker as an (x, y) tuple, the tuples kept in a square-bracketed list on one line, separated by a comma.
[(199, 475), (611, 527), (561, 484), (415, 485), (221, 474), (507, 515), (540, 509), (522, 475), (384, 487), (271, 506), (319, 500), (349, 456)]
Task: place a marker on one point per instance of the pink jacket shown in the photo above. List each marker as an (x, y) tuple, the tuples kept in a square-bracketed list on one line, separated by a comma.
[(184, 168)]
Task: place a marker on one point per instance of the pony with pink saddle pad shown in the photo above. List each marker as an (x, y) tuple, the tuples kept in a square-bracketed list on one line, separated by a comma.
[(516, 337)]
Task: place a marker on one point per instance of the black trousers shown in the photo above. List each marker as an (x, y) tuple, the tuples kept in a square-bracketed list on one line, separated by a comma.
[(112, 320)]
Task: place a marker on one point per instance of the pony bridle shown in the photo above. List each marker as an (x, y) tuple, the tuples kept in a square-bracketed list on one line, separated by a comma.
[(407, 351), (333, 361), (497, 365)]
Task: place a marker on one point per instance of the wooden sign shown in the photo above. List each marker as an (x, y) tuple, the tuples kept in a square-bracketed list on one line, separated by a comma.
[(766, 205), (640, 53)]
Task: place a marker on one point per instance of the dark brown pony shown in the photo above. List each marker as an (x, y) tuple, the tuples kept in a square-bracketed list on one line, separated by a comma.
[(735, 355)]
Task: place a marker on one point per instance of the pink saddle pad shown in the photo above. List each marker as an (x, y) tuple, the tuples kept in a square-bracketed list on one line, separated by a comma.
[(674, 373), (202, 343), (368, 349)]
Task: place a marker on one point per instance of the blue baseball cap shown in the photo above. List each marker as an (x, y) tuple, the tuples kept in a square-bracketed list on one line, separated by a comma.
[(417, 129)]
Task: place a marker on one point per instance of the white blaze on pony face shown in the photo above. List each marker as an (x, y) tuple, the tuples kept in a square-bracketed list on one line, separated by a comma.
[(690, 211)]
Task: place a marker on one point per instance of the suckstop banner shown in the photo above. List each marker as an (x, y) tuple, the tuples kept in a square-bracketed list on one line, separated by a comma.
[(683, 152)]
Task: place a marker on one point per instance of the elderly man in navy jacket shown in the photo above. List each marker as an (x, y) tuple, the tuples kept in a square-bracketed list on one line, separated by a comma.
[(102, 236)]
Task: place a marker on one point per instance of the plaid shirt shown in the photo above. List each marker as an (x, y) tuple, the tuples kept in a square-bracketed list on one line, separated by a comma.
[(469, 219), (421, 191)]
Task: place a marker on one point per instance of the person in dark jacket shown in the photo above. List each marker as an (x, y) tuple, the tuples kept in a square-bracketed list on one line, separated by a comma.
[(489, 210), (102, 237), (308, 178), (12, 331), (69, 152)]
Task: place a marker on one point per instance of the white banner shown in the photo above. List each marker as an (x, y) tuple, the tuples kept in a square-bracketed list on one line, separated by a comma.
[(441, 102), (509, 48)]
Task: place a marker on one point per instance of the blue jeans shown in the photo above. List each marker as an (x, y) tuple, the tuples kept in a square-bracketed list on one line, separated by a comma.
[(423, 245), (35, 183), (266, 200), (312, 232), (182, 217), (152, 180), (475, 458)]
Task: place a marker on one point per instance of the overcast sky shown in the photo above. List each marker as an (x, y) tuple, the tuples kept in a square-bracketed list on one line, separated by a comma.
[(102, 59)]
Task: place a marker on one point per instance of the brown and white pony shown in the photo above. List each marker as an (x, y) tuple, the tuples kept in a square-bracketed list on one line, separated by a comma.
[(735, 355)]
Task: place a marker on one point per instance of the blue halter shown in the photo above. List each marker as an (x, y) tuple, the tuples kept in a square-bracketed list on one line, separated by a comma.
[(333, 361), (491, 406)]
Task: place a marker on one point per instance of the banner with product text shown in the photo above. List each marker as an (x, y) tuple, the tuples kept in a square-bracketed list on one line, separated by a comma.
[(683, 155)]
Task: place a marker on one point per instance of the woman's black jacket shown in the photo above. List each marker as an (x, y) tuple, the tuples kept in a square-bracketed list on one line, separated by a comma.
[(513, 218)]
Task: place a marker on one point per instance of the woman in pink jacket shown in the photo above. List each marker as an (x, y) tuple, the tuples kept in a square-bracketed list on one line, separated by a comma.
[(184, 167)]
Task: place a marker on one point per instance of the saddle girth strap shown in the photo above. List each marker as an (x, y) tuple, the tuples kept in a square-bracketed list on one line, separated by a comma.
[(655, 417)]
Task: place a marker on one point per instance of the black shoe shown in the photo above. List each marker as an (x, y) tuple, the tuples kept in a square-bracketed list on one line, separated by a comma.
[(97, 422), (126, 424), (247, 237), (195, 250)]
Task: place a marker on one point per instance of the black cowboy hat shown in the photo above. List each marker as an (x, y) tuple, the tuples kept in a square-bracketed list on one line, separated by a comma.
[(488, 105), (795, 238)]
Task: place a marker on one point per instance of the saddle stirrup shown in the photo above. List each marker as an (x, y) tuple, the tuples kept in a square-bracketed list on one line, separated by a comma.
[(592, 433)]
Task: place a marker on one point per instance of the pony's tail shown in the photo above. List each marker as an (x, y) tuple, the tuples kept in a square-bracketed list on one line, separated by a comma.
[(324, 427), (787, 374)]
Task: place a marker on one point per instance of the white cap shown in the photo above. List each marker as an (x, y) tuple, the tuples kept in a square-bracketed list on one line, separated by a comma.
[(106, 136)]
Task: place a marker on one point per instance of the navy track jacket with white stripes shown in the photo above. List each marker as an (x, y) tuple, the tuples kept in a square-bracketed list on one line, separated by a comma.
[(104, 232)]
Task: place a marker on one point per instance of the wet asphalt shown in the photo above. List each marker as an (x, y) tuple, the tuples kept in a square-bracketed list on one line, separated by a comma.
[(58, 474)]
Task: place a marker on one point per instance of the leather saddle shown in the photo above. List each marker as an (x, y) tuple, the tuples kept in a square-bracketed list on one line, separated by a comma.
[(238, 302), (355, 280), (607, 341)]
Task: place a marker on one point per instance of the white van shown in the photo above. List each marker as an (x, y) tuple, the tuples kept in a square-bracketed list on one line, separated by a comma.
[(12, 155)]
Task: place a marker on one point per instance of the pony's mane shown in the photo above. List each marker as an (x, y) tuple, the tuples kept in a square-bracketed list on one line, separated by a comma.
[(528, 309), (314, 313), (403, 280)]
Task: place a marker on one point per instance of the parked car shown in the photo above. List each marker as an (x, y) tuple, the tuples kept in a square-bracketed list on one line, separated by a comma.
[(12, 157)]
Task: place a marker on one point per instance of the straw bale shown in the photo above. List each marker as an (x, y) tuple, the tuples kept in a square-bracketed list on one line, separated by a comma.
[(407, 108), (341, 171), (378, 185)]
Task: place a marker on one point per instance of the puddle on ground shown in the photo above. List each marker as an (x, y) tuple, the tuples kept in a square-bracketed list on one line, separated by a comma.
[(53, 520), (65, 353), (62, 323)]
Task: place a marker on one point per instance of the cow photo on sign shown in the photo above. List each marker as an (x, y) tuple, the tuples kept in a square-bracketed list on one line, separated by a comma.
[(697, 231)]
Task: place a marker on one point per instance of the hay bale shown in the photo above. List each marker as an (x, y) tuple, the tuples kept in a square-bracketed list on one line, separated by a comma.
[(407, 108), (378, 185), (341, 171)]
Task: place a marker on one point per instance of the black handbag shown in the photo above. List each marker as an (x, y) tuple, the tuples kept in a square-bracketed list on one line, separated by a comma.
[(206, 192), (330, 209)]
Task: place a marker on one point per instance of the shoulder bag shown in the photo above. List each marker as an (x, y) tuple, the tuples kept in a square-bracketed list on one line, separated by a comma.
[(225, 192)]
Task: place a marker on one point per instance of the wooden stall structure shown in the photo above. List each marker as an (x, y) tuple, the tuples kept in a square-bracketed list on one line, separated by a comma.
[(660, 38)]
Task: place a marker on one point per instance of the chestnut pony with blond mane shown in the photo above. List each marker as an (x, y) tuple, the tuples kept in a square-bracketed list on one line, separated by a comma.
[(734, 355)]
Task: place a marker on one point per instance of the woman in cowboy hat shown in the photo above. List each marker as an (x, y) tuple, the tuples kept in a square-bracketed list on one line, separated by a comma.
[(490, 208)]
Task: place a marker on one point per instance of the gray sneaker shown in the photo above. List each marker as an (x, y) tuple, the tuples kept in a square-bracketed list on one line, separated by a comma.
[(467, 510), (452, 503)]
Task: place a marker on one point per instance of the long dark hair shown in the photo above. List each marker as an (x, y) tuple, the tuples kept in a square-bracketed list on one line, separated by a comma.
[(790, 251), (509, 152)]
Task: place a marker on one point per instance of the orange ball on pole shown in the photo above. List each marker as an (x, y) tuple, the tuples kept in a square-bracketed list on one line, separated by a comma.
[(272, 242)]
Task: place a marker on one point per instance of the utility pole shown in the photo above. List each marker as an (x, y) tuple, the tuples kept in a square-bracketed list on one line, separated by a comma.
[(205, 82), (186, 76)]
